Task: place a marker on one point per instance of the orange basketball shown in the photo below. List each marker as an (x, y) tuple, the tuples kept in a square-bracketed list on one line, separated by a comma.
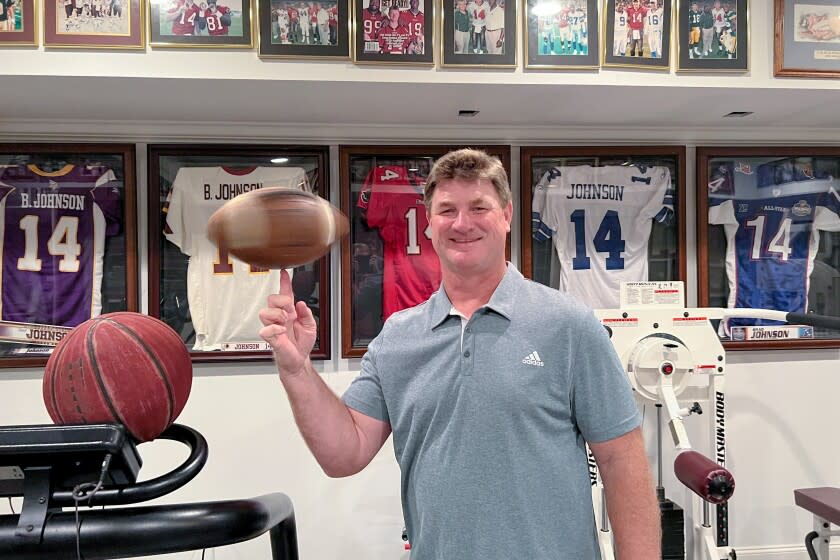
[(125, 368), (277, 227)]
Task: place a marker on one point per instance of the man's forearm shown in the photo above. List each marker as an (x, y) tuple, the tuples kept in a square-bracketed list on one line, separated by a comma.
[(633, 510)]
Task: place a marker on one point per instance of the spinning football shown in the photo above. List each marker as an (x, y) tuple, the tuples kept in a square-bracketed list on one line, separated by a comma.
[(277, 227)]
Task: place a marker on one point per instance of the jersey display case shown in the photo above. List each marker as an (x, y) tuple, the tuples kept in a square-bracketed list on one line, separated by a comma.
[(768, 224), (211, 299), (388, 262), (594, 217), (69, 242)]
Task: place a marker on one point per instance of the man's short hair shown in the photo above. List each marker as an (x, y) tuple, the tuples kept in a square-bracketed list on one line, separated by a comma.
[(468, 165)]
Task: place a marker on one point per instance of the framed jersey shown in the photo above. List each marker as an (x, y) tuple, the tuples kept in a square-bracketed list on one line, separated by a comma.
[(387, 262), (69, 242), (212, 299), (595, 217), (769, 238)]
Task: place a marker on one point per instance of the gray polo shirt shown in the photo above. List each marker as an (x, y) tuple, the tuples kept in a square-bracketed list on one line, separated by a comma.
[(489, 433)]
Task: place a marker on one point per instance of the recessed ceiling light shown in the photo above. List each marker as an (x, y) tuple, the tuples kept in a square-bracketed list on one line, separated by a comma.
[(467, 113), (738, 114), (279, 160)]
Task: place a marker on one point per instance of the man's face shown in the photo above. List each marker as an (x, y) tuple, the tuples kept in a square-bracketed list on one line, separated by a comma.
[(414, 5), (462, 6), (394, 15), (717, 4), (694, 6), (373, 5), (469, 225)]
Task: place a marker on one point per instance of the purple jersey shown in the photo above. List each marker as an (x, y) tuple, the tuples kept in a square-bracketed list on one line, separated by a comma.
[(54, 230)]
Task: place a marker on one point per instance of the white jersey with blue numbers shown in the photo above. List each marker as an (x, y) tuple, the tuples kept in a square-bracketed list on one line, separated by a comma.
[(600, 220), (772, 223)]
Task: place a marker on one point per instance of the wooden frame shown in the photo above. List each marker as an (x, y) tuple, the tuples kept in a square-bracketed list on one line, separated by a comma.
[(528, 155), (22, 31), (117, 289), (499, 54), (406, 46), (730, 48), (275, 40), (539, 44), (229, 25), (378, 155), (704, 236), (69, 26), (254, 166), (611, 58), (810, 49)]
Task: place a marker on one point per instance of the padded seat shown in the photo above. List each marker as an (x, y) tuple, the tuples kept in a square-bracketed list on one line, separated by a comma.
[(823, 502)]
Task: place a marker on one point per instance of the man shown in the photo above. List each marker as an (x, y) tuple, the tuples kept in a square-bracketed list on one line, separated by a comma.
[(184, 17), (694, 17), (218, 18), (462, 27), (491, 446), (621, 32), (478, 16), (394, 38), (653, 29), (636, 20), (322, 19), (707, 25), (413, 19), (372, 19), (719, 14), (495, 33)]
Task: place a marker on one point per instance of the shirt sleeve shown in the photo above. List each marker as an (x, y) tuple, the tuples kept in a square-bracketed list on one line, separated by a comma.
[(827, 214), (663, 210), (722, 211), (108, 196), (174, 220), (539, 228), (602, 400), (365, 392)]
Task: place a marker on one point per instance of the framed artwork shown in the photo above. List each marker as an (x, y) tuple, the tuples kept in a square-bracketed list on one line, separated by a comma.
[(387, 262), (69, 242), (478, 33), (400, 32), (97, 24), (210, 298), (594, 217), (637, 34), (768, 237), (807, 39), (713, 36), (18, 23), (561, 35), (304, 30), (201, 23)]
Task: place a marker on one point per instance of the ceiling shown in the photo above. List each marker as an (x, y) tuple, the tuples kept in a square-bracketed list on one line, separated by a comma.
[(409, 111)]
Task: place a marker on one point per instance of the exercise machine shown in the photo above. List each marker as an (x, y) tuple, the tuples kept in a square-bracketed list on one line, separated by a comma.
[(58, 470), (676, 362)]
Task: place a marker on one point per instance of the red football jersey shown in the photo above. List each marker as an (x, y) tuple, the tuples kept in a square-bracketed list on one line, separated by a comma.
[(293, 14), (636, 17), (414, 22), (372, 22), (214, 21), (394, 204), (394, 41), (185, 23), (333, 16)]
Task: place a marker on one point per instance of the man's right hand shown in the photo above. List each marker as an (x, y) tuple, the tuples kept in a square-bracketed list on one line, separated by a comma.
[(289, 328)]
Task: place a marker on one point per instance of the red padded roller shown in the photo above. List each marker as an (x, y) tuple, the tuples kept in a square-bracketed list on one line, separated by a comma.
[(704, 477)]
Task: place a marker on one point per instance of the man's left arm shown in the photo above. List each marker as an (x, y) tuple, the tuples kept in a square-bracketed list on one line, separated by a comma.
[(631, 500)]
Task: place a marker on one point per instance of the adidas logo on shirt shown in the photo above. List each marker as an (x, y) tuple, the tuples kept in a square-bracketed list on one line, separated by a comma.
[(533, 359)]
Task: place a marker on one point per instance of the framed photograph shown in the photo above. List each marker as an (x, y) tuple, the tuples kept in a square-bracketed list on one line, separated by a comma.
[(807, 39), (397, 32), (201, 23), (69, 242), (18, 23), (637, 34), (96, 24), (561, 35), (210, 298), (478, 33), (310, 29), (594, 217), (388, 262), (768, 237), (708, 36)]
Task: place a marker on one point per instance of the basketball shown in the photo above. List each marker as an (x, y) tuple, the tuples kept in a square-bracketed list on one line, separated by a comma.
[(277, 227), (125, 368)]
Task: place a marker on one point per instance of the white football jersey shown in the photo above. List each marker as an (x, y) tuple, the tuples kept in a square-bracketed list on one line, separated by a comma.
[(600, 221), (224, 294)]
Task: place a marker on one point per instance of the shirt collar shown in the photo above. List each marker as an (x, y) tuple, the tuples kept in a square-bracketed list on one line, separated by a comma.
[(502, 300)]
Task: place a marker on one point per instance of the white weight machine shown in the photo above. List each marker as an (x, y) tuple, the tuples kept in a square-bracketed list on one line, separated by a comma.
[(675, 360)]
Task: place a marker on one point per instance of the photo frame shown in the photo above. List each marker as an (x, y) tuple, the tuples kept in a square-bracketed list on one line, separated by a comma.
[(388, 262), (18, 24), (100, 24), (404, 34), (768, 238), (69, 242), (209, 298), (282, 36), (723, 47), (465, 44), (561, 35), (633, 32), (807, 39), (558, 208), (201, 23)]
